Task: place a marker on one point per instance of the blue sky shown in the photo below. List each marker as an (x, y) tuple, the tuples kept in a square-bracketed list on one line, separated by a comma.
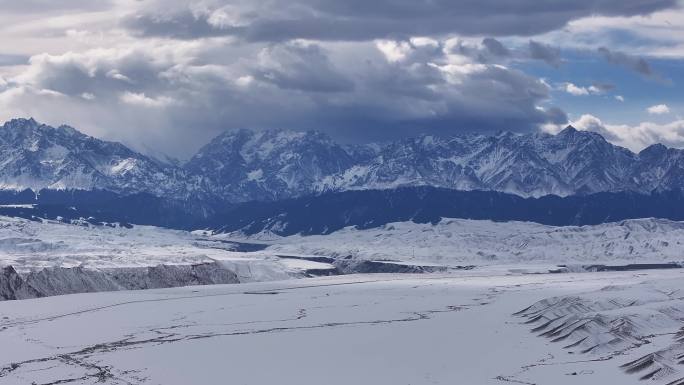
[(639, 92), (169, 75)]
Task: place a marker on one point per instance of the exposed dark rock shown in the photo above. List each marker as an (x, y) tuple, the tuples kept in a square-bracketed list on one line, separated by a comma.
[(12, 286), (59, 281), (350, 266)]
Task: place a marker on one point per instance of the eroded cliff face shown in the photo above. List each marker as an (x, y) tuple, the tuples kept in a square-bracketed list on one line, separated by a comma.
[(59, 281), (13, 286)]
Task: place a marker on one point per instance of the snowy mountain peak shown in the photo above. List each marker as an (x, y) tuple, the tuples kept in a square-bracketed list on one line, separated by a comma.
[(26, 129), (571, 162), (245, 165), (570, 129), (573, 135), (653, 150), (269, 164), (37, 156), (27, 123)]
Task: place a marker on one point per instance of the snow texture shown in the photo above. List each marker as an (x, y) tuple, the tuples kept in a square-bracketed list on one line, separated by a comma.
[(463, 241), (465, 328)]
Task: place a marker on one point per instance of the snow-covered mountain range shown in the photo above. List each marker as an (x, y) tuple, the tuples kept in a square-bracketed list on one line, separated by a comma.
[(529, 165), (246, 165), (36, 156)]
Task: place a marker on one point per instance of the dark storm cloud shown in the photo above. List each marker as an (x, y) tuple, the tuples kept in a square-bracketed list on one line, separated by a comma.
[(492, 50), (634, 63), (545, 52), (301, 67), (415, 95), (72, 75), (394, 100), (261, 20), (495, 47), (182, 25), (145, 95)]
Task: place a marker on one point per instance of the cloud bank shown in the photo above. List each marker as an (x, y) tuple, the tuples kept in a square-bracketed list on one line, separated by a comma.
[(172, 74)]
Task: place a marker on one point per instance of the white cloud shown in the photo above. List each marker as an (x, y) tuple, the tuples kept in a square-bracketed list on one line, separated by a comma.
[(142, 100), (244, 81), (394, 51), (575, 90), (114, 74), (634, 137), (619, 98), (659, 109), (661, 32), (595, 90)]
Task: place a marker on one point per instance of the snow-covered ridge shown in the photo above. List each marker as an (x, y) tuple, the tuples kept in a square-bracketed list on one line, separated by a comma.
[(50, 258), (31, 246), (641, 321), (46, 258), (462, 241)]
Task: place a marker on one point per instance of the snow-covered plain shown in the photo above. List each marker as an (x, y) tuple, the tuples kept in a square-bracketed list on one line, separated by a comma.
[(492, 324), (459, 328)]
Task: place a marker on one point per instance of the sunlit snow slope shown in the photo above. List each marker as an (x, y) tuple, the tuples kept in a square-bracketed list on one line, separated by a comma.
[(486, 242)]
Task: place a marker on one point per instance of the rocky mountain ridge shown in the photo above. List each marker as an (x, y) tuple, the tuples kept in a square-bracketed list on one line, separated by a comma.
[(245, 165)]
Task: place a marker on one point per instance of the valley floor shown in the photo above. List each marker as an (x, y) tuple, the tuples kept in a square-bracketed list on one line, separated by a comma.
[(455, 328), (497, 303)]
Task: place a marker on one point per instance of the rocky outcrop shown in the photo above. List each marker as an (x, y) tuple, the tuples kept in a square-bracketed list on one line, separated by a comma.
[(352, 266), (12, 286), (162, 276), (59, 281)]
